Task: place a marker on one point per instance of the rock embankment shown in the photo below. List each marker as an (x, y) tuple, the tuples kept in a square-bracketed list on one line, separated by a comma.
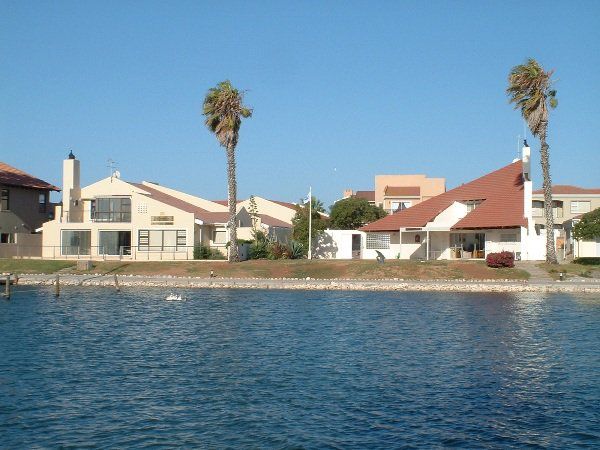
[(314, 284)]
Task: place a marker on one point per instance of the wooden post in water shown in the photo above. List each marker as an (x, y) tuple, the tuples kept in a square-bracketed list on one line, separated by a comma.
[(57, 286), (7, 287), (117, 283)]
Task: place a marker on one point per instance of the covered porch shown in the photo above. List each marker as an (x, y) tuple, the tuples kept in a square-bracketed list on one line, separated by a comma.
[(441, 244)]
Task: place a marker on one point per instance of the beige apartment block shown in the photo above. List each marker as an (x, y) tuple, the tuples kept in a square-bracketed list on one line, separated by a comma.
[(569, 203), (397, 192)]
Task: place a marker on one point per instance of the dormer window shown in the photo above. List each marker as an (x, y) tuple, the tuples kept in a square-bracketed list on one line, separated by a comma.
[(472, 204)]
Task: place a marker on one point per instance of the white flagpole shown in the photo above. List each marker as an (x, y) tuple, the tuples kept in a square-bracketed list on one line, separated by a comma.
[(310, 222)]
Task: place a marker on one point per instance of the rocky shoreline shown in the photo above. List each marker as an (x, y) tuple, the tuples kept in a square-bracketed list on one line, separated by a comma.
[(311, 284)]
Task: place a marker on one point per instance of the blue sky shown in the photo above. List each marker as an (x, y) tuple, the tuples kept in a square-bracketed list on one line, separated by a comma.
[(341, 91)]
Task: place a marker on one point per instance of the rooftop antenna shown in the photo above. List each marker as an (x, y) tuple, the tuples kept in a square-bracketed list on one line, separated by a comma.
[(518, 146), (111, 164)]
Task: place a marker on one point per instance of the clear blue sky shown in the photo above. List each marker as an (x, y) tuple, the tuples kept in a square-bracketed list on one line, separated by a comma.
[(341, 91)]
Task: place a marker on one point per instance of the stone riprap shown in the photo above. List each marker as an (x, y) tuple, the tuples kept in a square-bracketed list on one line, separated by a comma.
[(592, 286)]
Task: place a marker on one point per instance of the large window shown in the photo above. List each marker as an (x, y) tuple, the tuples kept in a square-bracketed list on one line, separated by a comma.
[(537, 208), (579, 207), (377, 241), (161, 240), (76, 242), (219, 236), (111, 209), (114, 242), (4, 200)]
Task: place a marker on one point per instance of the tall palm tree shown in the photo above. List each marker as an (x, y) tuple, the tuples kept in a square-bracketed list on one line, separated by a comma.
[(224, 111), (530, 89)]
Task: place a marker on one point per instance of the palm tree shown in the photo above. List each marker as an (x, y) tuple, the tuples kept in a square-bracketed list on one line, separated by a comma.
[(530, 89), (224, 111)]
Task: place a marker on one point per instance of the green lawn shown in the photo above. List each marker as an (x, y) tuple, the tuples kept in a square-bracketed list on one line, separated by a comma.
[(33, 265), (572, 270), (318, 269)]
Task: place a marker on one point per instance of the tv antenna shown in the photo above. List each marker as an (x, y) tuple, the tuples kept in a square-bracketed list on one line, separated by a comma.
[(111, 164)]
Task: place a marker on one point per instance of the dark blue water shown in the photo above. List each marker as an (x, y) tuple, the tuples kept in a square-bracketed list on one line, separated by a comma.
[(281, 369)]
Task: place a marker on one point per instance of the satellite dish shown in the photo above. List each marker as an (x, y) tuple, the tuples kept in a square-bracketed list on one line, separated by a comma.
[(117, 174)]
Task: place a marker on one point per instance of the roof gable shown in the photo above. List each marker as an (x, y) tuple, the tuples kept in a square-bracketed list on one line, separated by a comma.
[(501, 193)]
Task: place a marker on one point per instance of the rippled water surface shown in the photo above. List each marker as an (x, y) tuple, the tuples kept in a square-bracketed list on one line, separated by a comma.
[(290, 369)]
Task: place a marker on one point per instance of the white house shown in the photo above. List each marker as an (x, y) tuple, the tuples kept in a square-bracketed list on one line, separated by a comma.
[(489, 214)]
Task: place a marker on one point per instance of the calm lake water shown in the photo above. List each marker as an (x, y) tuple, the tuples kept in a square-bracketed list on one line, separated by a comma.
[(291, 369)]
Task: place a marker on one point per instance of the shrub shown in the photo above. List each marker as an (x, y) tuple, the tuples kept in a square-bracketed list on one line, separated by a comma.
[(201, 252), (296, 250), (502, 259), (587, 261), (259, 250), (278, 250)]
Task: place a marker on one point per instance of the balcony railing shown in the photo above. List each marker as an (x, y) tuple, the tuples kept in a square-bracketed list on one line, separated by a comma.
[(99, 216)]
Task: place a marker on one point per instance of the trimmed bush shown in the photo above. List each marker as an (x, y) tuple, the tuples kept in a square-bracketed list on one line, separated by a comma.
[(587, 261), (205, 252), (502, 259)]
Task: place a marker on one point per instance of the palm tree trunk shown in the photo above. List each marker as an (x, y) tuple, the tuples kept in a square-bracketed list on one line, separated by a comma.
[(547, 186), (232, 203)]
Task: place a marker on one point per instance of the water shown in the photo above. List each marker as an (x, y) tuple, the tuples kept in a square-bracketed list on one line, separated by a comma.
[(289, 369)]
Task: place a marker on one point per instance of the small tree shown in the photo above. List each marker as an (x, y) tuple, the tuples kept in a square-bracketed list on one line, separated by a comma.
[(253, 211), (300, 222), (352, 213), (588, 228)]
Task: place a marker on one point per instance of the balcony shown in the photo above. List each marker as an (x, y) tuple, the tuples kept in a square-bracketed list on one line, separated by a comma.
[(100, 216)]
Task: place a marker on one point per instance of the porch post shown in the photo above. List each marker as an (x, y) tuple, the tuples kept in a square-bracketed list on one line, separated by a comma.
[(427, 258), (400, 243)]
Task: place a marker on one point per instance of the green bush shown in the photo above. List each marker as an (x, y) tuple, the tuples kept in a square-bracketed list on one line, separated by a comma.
[(587, 261), (205, 252), (259, 250), (297, 250), (201, 252)]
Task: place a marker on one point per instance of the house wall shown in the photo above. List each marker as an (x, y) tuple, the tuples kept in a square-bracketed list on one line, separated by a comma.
[(142, 209), (587, 249), (26, 245), (270, 208), (23, 209), (540, 219)]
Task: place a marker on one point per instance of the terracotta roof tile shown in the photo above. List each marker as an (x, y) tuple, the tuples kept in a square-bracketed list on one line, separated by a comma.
[(502, 205), (367, 195), (403, 191), (273, 221), (12, 176), (199, 213), (559, 189)]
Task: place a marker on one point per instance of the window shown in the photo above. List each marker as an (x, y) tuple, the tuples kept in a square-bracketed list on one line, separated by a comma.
[(4, 200), (162, 220), (579, 207), (161, 240), (42, 199), (557, 208), (114, 243), (7, 238), (378, 241), (76, 242), (537, 208), (472, 204), (508, 237), (111, 209), (219, 236)]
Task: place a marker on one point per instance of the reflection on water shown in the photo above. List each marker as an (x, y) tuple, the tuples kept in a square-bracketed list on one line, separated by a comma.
[(243, 368)]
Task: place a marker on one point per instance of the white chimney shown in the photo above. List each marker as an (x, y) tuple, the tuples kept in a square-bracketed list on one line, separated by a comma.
[(526, 161), (72, 209)]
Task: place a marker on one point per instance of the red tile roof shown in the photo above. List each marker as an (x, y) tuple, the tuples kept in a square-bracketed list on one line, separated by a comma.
[(286, 204), (367, 195), (502, 205), (205, 216), (403, 191), (273, 221), (559, 189), (12, 176)]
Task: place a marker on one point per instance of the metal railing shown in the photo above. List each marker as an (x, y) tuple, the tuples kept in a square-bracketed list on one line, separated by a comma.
[(122, 253)]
